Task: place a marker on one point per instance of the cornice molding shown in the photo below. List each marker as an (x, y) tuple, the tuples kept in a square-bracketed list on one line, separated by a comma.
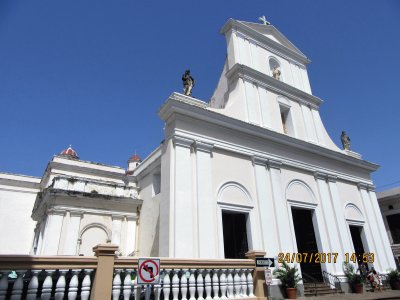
[(204, 147), (332, 178), (320, 176), (182, 141), (259, 160), (274, 164), (362, 186), (175, 107), (272, 84)]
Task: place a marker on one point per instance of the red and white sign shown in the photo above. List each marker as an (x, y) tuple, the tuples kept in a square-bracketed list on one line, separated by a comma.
[(148, 271), (268, 276)]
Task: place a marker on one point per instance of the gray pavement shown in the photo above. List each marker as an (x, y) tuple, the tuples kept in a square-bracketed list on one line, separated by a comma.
[(387, 294)]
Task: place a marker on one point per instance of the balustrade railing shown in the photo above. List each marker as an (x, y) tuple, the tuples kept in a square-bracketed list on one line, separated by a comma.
[(33, 277), (70, 277), (188, 279)]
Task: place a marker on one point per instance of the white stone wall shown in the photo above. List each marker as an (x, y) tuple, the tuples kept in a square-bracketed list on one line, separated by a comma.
[(17, 196)]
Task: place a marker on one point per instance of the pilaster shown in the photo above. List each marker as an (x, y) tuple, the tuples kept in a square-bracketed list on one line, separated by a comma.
[(72, 233), (183, 225), (383, 238), (266, 216), (116, 230), (341, 225), (206, 218), (131, 225), (52, 232), (329, 223), (371, 230), (281, 215)]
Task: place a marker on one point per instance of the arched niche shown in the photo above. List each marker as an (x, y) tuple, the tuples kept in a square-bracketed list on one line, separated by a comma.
[(92, 235), (234, 193), (275, 68), (298, 191), (353, 213)]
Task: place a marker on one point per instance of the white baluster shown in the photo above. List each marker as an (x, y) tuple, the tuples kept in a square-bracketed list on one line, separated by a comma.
[(86, 283), (215, 284), (3, 284), (33, 285), (157, 289), (60, 285), (229, 281), (236, 283), (73, 285), (175, 285), (200, 284), (134, 284), (222, 283), (250, 283), (184, 284), (127, 285), (116, 287), (192, 285), (18, 286), (243, 283), (166, 284), (47, 286), (207, 285)]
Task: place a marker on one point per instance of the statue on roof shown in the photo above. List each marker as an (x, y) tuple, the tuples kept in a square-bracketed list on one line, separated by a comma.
[(188, 83), (345, 140), (264, 20)]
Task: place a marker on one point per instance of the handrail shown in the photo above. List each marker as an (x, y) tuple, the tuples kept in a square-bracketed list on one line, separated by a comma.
[(174, 263), (328, 278), (312, 280), (26, 262)]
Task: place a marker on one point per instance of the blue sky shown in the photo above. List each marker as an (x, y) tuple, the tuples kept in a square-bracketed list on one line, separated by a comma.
[(94, 73)]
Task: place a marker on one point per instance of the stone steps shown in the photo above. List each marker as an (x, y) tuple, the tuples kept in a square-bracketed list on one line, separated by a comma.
[(318, 289)]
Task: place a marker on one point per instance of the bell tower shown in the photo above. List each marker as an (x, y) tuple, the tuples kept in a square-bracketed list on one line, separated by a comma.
[(265, 82)]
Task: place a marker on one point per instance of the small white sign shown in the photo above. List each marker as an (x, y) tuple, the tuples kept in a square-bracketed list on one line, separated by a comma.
[(268, 276), (148, 271)]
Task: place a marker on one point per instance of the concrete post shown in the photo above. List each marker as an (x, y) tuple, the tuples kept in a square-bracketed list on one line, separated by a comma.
[(102, 284), (260, 288)]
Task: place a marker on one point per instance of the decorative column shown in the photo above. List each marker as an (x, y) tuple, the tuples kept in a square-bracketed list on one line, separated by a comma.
[(284, 229), (183, 241), (116, 230), (269, 231), (206, 219), (130, 235), (342, 227), (71, 240), (370, 229), (52, 232), (381, 227), (329, 243)]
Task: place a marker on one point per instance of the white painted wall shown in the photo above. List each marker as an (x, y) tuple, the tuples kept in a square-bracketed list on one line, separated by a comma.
[(17, 196)]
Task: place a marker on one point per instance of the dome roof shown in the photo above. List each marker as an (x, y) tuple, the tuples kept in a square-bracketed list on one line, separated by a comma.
[(135, 157), (69, 152)]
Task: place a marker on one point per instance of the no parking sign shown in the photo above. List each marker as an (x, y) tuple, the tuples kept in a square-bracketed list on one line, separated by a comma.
[(148, 271)]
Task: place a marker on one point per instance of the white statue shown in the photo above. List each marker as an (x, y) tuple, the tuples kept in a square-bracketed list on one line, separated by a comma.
[(276, 73)]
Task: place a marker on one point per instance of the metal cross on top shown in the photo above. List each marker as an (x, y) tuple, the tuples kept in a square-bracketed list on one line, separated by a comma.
[(264, 20)]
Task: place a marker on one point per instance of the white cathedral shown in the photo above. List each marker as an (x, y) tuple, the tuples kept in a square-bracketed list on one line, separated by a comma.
[(251, 169)]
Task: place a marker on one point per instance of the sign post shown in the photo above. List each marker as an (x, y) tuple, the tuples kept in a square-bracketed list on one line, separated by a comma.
[(148, 273), (268, 280)]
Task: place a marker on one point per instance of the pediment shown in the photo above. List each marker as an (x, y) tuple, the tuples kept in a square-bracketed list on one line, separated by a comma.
[(270, 32)]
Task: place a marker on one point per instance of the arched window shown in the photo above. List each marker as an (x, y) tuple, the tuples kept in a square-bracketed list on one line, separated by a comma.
[(275, 68)]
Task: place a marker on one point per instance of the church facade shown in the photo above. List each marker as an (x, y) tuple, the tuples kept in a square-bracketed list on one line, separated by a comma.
[(251, 169)]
